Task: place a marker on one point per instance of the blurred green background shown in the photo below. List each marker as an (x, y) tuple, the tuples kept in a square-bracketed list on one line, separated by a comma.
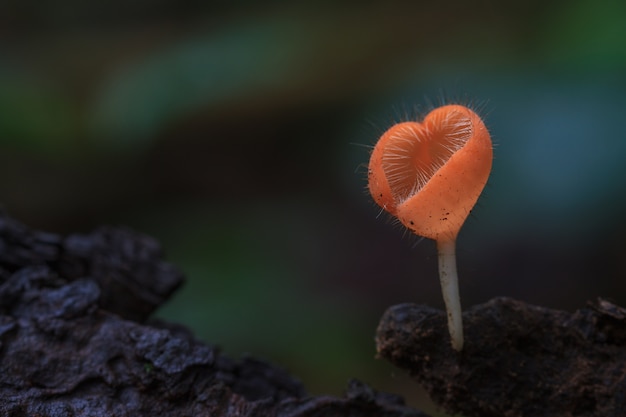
[(237, 133)]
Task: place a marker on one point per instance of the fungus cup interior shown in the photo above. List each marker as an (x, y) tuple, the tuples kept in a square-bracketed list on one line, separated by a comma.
[(430, 174)]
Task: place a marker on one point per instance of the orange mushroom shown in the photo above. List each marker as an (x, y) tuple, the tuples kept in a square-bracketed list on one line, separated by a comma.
[(429, 175)]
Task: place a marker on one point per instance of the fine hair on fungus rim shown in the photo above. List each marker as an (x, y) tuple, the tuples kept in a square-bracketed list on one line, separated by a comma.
[(429, 175)]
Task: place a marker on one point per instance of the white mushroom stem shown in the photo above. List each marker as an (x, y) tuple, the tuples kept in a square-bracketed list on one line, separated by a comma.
[(450, 289)]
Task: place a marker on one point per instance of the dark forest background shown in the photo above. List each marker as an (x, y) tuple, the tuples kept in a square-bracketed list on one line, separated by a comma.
[(237, 133)]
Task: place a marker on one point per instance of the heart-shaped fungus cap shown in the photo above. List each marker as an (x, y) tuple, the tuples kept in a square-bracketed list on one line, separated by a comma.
[(430, 174)]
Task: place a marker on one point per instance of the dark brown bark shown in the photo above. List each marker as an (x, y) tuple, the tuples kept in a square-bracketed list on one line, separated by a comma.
[(518, 359), (76, 340)]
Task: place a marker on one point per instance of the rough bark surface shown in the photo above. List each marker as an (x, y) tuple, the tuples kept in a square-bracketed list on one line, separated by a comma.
[(518, 359), (74, 340)]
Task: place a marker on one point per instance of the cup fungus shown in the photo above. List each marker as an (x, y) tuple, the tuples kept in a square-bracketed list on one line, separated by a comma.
[(429, 175)]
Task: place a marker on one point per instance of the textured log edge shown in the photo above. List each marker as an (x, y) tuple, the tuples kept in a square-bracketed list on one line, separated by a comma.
[(76, 340), (518, 359)]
